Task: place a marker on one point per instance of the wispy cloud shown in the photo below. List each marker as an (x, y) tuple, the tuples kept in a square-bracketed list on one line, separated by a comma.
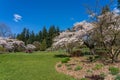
[(17, 17), (92, 15), (116, 10)]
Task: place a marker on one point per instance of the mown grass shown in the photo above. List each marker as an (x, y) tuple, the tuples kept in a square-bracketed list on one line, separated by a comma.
[(35, 66)]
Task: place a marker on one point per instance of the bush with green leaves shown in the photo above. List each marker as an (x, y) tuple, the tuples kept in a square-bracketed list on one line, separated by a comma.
[(67, 65), (117, 77), (89, 71), (83, 79), (103, 75), (76, 53), (43, 46), (98, 66), (59, 65), (2, 50), (77, 68), (65, 60), (91, 58), (114, 70)]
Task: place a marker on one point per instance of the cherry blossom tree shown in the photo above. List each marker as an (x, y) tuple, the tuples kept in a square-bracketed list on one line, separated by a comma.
[(108, 31), (73, 38)]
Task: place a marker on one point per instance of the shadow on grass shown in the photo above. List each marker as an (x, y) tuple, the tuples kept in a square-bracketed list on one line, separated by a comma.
[(60, 56)]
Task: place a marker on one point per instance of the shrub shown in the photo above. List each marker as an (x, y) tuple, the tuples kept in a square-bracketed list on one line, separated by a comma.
[(28, 51), (95, 77), (117, 77), (19, 49), (97, 57), (67, 65), (102, 75), (59, 65), (89, 71), (37, 45), (77, 68), (98, 66), (76, 53), (69, 68), (91, 58), (83, 79), (65, 60), (85, 51), (43, 46), (114, 70), (2, 50)]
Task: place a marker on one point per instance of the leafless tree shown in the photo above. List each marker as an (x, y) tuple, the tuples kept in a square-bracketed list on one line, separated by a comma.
[(5, 30)]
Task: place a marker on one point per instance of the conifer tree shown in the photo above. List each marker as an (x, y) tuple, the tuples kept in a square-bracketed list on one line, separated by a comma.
[(43, 45)]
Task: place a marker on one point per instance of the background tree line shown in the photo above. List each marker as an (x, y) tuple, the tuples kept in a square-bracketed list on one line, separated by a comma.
[(44, 36)]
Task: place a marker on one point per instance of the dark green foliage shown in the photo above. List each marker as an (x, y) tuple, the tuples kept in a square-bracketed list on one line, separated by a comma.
[(114, 70), (103, 75), (89, 71), (83, 79), (65, 60), (91, 58), (85, 50), (76, 53), (117, 77), (29, 37), (20, 49), (24, 36), (77, 68), (2, 50), (43, 45), (98, 66), (59, 65)]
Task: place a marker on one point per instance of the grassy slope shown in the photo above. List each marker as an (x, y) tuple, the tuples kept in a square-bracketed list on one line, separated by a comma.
[(36, 66)]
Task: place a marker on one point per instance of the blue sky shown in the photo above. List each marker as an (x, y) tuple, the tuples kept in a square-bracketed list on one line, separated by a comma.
[(34, 14)]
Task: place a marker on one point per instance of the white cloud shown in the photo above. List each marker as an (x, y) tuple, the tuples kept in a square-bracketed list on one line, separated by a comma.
[(115, 10), (92, 15), (17, 17)]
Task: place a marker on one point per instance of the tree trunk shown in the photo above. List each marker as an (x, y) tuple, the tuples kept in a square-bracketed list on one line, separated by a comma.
[(92, 51), (113, 59)]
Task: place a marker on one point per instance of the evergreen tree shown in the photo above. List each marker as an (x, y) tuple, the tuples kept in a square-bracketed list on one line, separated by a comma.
[(43, 45), (44, 33), (23, 34), (27, 35), (40, 36), (31, 39), (57, 31), (105, 9), (51, 33)]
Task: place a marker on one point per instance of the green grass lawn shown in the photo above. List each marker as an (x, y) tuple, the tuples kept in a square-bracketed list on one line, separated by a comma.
[(35, 66)]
